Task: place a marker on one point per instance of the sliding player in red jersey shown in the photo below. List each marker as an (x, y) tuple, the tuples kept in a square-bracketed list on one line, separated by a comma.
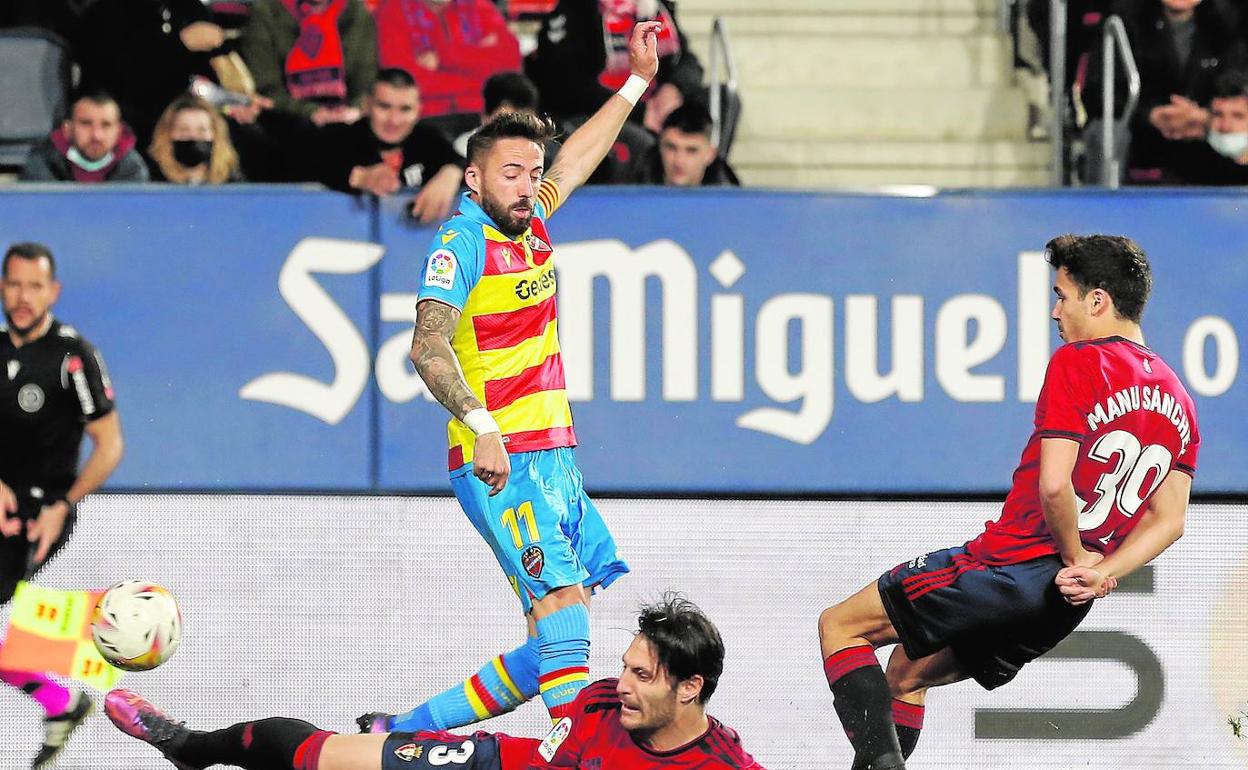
[(651, 718), (1102, 489)]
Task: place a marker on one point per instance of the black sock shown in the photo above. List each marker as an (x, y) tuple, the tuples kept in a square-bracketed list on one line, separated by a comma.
[(264, 745), (908, 717), (864, 706)]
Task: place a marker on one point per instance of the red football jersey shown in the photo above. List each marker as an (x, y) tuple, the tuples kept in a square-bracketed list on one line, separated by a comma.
[(1134, 422), (592, 739)]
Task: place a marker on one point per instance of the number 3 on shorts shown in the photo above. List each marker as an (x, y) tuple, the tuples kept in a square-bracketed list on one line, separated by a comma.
[(445, 755), (513, 517)]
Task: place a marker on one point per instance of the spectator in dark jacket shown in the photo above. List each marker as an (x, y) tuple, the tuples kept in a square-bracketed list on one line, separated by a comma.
[(582, 55), (144, 53), (389, 150), (1180, 47), (684, 155), (92, 145), (507, 92), (1222, 158), (313, 58)]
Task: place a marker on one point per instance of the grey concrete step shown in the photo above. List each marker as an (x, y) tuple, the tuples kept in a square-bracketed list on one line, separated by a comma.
[(885, 113), (698, 23), (834, 7), (785, 153), (857, 61), (868, 178)]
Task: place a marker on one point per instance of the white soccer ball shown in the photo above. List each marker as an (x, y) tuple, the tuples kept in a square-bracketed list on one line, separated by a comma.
[(137, 625)]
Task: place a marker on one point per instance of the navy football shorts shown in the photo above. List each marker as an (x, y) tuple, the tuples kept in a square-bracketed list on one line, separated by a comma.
[(996, 619), (411, 751)]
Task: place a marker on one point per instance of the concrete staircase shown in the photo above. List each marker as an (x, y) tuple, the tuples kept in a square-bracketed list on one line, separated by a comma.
[(854, 93)]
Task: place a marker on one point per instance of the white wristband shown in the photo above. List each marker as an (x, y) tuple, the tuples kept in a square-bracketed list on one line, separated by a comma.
[(480, 422), (633, 88)]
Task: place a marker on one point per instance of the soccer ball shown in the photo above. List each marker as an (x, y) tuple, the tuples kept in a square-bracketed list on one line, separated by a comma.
[(137, 625)]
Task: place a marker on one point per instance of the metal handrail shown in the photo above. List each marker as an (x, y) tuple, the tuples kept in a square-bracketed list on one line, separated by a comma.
[(1114, 36), (1057, 88), (721, 48)]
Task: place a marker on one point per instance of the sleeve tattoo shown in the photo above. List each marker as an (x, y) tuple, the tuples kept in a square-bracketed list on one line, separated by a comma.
[(435, 359)]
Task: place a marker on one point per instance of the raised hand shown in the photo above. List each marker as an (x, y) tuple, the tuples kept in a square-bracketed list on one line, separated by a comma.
[(643, 49)]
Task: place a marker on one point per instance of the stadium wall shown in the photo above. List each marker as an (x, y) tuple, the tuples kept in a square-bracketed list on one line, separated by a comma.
[(753, 342), (327, 607)]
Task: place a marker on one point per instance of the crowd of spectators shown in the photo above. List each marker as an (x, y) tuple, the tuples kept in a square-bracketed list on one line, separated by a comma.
[(364, 96), (1192, 57)]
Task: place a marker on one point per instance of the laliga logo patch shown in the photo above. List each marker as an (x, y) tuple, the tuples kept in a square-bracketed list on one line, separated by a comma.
[(554, 739), (441, 269), (532, 559), (409, 752), (30, 398)]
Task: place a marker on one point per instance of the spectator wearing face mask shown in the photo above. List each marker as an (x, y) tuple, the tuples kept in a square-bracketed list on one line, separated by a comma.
[(92, 145), (1180, 47), (1222, 158), (191, 145)]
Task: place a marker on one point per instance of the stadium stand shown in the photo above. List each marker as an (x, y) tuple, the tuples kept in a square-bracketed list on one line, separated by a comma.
[(34, 90), (871, 92)]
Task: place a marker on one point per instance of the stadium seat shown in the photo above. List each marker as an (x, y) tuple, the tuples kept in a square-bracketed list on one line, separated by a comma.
[(34, 89)]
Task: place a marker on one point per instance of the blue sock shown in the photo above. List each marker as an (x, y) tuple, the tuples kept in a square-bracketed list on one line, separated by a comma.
[(501, 685), (563, 642)]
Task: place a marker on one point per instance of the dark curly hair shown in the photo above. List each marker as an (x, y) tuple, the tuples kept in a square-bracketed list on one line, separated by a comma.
[(1110, 262), (509, 125), (684, 640)]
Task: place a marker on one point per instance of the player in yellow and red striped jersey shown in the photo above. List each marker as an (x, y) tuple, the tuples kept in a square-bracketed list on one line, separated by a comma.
[(487, 346)]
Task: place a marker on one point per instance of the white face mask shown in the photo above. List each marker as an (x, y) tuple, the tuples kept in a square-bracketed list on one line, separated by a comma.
[(82, 162), (1232, 145)]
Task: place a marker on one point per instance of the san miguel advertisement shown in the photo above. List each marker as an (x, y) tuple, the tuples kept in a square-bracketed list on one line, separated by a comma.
[(715, 342)]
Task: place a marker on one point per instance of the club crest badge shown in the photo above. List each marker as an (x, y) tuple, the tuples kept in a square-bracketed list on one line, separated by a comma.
[(533, 560), (30, 398)]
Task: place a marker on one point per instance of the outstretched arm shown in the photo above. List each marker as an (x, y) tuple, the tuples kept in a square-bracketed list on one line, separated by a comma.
[(435, 362), (588, 145)]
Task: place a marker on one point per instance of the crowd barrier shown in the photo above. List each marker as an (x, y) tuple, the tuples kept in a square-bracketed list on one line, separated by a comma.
[(716, 342), (327, 607)]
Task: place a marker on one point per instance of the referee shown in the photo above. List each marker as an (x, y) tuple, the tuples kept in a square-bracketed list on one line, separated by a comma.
[(53, 388)]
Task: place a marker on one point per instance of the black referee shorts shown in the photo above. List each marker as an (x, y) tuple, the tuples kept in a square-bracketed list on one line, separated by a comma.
[(17, 554)]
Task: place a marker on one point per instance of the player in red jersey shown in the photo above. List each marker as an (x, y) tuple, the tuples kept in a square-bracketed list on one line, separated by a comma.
[(651, 718), (1102, 489)]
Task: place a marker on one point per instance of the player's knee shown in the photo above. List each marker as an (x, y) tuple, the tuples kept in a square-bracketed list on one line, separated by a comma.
[(558, 598), (831, 622), (902, 682)]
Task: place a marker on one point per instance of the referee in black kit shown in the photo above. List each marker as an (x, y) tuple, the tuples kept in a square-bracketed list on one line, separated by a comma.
[(53, 388)]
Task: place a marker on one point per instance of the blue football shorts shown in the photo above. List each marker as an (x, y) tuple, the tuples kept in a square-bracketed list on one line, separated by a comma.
[(544, 530), (995, 618)]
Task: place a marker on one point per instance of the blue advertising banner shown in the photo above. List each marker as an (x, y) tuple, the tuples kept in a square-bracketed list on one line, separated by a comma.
[(715, 341), (183, 291), (788, 343)]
